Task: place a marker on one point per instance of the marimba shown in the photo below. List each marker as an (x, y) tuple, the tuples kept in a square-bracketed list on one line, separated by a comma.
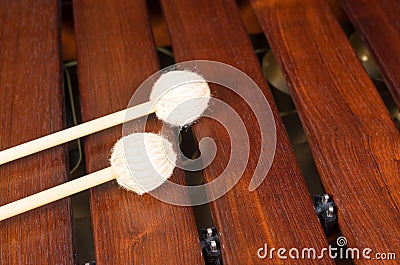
[(353, 139)]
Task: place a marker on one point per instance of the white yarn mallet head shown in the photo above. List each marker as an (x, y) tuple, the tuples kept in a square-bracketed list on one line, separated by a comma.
[(180, 97), (142, 161)]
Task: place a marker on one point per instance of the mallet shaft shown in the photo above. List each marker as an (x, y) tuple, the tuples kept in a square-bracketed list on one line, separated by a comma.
[(75, 132), (56, 193)]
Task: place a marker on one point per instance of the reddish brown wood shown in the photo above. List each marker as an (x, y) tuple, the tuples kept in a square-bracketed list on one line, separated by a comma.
[(354, 142), (379, 24), (31, 106), (279, 212), (116, 53)]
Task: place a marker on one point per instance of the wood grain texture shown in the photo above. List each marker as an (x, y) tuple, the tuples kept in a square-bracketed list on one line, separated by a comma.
[(31, 106), (379, 25), (353, 140), (279, 212), (116, 54)]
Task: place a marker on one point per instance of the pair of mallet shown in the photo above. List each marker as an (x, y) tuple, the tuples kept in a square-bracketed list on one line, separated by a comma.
[(140, 162)]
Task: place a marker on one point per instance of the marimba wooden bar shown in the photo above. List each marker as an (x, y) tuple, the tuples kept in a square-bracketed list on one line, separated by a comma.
[(116, 36), (379, 24), (30, 107), (240, 215)]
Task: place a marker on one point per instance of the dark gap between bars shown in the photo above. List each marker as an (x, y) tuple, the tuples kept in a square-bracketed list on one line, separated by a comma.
[(82, 229), (187, 143), (291, 120)]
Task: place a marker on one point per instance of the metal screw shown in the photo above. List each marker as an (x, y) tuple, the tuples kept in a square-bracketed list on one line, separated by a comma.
[(325, 198), (213, 246), (330, 211), (209, 232)]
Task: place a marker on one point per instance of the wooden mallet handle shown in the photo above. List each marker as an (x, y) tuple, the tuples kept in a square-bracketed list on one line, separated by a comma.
[(75, 132), (56, 193)]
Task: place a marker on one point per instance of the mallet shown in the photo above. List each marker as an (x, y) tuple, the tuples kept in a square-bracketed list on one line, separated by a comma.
[(167, 99), (140, 162)]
